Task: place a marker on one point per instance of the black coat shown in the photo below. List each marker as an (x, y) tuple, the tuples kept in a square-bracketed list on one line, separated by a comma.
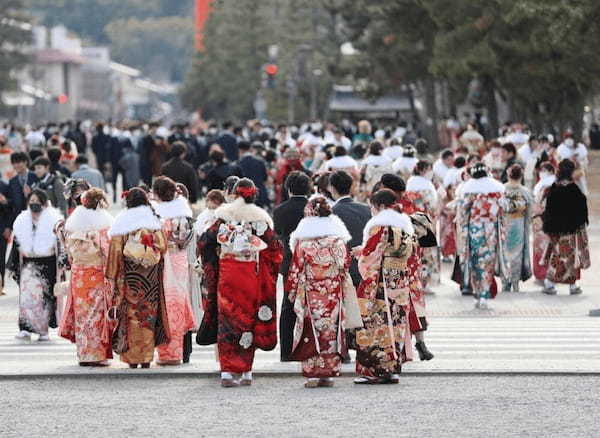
[(286, 218), (256, 169), (145, 148), (228, 142), (101, 148), (182, 172), (17, 196), (6, 210), (215, 179), (566, 209), (355, 216)]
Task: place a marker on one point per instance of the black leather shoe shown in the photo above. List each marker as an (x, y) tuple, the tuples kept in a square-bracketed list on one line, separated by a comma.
[(424, 353)]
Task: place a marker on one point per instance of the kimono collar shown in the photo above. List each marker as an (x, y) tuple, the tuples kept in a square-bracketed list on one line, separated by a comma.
[(483, 186), (311, 227), (377, 160), (388, 218), (239, 211), (45, 239), (418, 183), (342, 162), (178, 207), (87, 219), (133, 219)]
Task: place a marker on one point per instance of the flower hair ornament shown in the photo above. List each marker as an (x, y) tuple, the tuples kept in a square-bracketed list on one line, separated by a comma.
[(124, 194), (246, 192)]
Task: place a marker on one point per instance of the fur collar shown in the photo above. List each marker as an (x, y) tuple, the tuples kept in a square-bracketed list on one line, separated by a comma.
[(543, 184), (405, 164), (134, 219), (85, 219), (238, 211), (204, 221), (388, 218), (342, 162), (44, 241), (394, 152), (440, 169), (484, 186), (377, 160), (311, 227), (418, 183), (178, 207)]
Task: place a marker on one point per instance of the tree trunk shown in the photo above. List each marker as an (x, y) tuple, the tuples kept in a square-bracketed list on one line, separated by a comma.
[(431, 124), (489, 91)]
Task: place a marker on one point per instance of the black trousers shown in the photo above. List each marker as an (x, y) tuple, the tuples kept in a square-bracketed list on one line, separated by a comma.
[(3, 245), (287, 321), (187, 347)]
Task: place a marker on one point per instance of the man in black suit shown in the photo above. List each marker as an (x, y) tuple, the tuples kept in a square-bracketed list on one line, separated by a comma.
[(354, 215), (20, 185), (286, 218), (228, 142), (181, 171), (255, 169)]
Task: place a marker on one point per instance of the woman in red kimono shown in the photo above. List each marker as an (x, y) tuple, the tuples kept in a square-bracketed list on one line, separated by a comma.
[(321, 290), (240, 256)]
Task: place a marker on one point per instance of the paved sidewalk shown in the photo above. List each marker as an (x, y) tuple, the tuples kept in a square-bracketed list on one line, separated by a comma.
[(525, 332)]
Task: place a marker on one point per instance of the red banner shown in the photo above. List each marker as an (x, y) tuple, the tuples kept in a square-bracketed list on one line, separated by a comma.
[(202, 14)]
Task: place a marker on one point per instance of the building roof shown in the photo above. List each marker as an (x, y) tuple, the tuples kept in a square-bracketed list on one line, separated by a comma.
[(53, 56), (345, 99)]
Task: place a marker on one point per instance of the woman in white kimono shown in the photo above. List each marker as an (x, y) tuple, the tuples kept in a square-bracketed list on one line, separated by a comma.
[(34, 266)]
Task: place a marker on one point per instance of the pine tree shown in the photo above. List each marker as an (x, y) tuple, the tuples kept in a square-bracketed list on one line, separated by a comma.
[(15, 33)]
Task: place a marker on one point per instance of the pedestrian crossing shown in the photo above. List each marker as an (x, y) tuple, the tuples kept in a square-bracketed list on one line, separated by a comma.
[(461, 345)]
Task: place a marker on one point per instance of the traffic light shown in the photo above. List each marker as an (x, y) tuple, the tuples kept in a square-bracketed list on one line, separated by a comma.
[(61, 99), (271, 71)]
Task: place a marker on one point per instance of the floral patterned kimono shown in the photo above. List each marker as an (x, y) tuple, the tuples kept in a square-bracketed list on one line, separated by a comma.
[(240, 256), (518, 221), (421, 192), (540, 239), (321, 290), (447, 223), (85, 320), (384, 295), (135, 264), (565, 221), (176, 219), (34, 265), (481, 235)]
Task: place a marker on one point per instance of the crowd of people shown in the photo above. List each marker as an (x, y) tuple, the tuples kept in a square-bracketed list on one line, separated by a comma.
[(358, 220)]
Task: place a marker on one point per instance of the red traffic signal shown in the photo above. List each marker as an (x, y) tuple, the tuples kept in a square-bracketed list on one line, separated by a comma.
[(62, 99), (271, 69)]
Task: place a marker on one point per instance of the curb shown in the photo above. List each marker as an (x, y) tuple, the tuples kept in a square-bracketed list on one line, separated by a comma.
[(287, 374)]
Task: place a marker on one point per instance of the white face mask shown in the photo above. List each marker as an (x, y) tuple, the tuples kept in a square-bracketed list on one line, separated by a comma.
[(429, 175), (544, 175), (569, 142)]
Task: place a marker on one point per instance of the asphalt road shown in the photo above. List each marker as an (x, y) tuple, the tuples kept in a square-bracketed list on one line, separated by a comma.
[(434, 406)]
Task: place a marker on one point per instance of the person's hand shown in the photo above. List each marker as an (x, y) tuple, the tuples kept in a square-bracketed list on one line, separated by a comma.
[(3, 199), (6, 234), (356, 251), (26, 190)]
